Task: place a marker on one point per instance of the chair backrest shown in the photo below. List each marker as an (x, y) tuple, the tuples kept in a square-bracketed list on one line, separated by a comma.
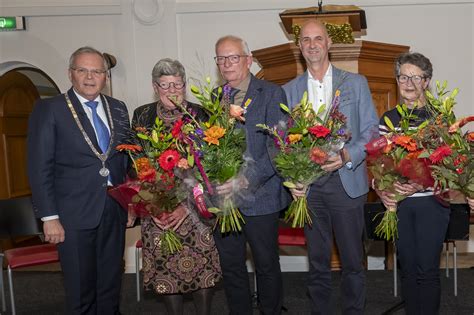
[(17, 218), (458, 228)]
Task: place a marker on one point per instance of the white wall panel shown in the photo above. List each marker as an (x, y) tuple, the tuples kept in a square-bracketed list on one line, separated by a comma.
[(188, 29)]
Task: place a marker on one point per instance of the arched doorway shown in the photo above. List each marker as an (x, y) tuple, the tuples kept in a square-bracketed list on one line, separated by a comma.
[(20, 86)]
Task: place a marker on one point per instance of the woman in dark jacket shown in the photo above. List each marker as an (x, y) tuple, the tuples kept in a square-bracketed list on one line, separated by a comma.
[(195, 269)]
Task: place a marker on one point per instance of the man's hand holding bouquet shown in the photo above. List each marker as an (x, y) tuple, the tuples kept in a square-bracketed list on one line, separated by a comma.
[(219, 148), (306, 143)]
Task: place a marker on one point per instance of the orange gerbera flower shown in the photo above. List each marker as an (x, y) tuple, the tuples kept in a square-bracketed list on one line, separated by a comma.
[(295, 138), (470, 136), (318, 156), (406, 142), (144, 169), (142, 163), (129, 147), (213, 134), (414, 155)]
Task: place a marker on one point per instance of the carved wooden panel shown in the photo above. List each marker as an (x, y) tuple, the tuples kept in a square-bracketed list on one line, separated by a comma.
[(17, 97), (384, 95)]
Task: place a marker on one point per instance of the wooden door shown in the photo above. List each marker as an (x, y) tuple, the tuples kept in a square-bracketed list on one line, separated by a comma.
[(17, 97)]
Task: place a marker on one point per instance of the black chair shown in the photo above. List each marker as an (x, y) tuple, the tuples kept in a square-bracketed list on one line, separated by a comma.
[(17, 219), (458, 230)]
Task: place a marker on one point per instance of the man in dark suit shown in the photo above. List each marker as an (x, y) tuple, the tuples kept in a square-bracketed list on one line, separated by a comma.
[(72, 161), (336, 201), (264, 196)]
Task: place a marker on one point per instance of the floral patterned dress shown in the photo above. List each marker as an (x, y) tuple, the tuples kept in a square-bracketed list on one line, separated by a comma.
[(194, 267)]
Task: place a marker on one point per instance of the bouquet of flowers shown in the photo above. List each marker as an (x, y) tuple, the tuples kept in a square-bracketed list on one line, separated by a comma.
[(305, 143), (397, 156), (219, 148), (159, 162), (450, 151)]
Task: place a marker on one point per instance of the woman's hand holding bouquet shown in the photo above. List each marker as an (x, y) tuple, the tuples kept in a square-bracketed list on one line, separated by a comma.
[(158, 191)]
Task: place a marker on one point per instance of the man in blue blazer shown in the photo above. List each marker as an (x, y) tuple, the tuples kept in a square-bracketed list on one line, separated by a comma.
[(336, 201), (264, 196), (72, 161)]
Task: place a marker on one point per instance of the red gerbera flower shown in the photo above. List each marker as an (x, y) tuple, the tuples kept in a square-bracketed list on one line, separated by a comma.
[(168, 159), (440, 153), (176, 131), (318, 156), (319, 131)]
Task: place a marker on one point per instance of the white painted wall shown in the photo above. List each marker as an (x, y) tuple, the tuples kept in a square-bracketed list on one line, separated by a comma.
[(140, 32)]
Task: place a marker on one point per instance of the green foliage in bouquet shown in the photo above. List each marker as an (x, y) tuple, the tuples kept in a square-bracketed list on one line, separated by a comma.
[(220, 147), (304, 147), (450, 150)]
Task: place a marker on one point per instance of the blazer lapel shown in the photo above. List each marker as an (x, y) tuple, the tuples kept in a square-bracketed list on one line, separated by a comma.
[(81, 114), (252, 94), (337, 78), (115, 117), (302, 87)]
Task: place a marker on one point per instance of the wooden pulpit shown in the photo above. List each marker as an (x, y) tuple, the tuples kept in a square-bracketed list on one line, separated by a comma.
[(374, 60)]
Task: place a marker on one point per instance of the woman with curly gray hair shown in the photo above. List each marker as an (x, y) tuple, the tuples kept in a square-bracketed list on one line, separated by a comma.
[(195, 269)]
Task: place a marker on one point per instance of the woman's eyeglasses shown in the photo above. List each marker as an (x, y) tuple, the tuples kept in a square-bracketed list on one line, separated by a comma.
[(167, 85), (415, 79)]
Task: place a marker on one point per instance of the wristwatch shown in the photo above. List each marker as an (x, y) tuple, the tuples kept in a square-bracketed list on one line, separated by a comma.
[(343, 155)]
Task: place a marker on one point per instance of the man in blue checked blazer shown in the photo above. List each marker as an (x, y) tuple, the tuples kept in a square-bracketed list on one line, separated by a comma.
[(336, 201)]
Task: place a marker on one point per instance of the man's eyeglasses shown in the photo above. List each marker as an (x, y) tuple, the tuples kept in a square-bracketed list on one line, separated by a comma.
[(166, 85), (233, 59), (93, 72), (415, 79)]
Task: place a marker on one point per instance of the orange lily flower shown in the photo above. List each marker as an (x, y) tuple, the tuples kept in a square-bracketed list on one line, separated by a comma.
[(213, 134)]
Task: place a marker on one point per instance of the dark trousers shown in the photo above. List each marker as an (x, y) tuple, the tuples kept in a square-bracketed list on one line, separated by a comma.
[(91, 261), (422, 225), (261, 232), (334, 213)]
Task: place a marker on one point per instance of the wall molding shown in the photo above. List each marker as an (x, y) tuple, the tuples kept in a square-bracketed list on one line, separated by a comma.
[(60, 8), (114, 7), (267, 5)]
